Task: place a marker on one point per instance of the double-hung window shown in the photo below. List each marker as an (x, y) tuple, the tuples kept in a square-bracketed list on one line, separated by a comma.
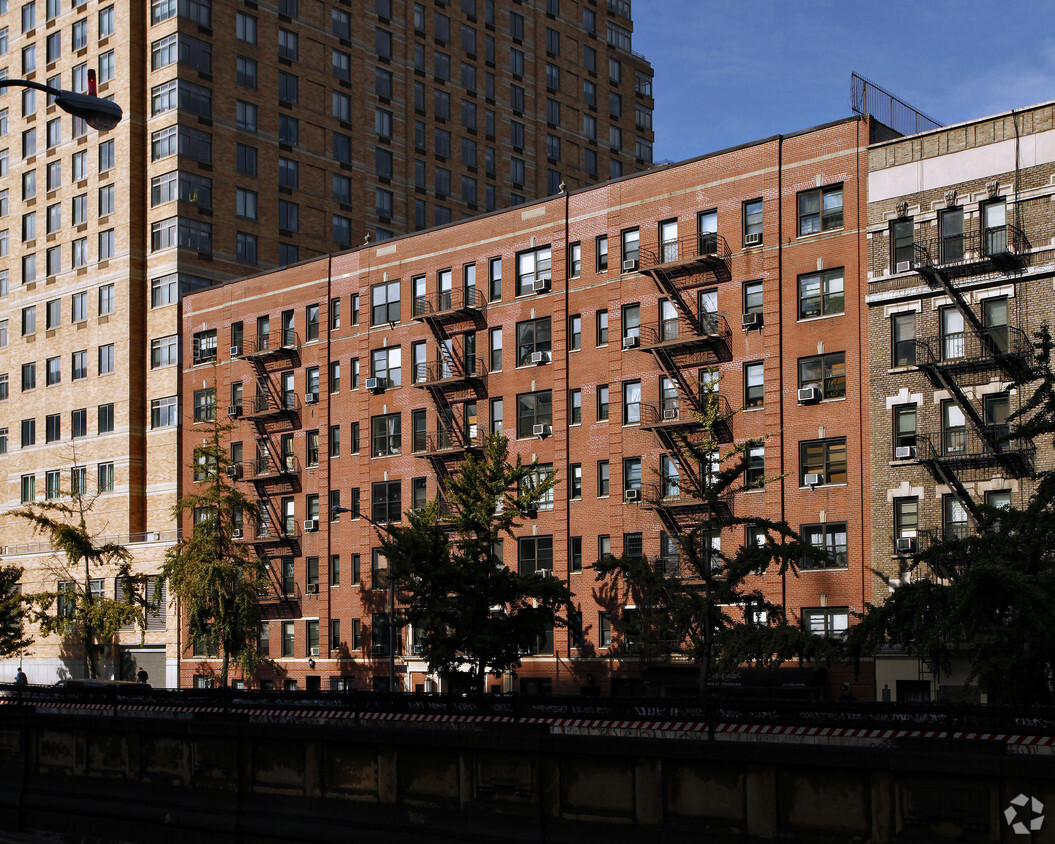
[(820, 209)]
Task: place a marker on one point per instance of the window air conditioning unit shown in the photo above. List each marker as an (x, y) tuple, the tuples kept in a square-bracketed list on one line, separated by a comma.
[(813, 479), (312, 589), (905, 452), (313, 651), (903, 266), (310, 398), (540, 430), (291, 463), (376, 385), (543, 572), (752, 320), (670, 414), (631, 341), (540, 285), (632, 495), (905, 544), (234, 410), (752, 239), (378, 650), (237, 533), (234, 470), (236, 351), (539, 357), (416, 650), (630, 266), (311, 525), (808, 395)]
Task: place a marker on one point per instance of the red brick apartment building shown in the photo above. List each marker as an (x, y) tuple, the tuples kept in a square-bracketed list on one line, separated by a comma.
[(582, 327)]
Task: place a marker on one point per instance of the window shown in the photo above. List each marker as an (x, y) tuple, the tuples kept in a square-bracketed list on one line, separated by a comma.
[(903, 328), (79, 367), (631, 402), (830, 622), (106, 299), (385, 302), (902, 244), (164, 351), (54, 371), (575, 407), (29, 320), (245, 116), (535, 554), (244, 71), (831, 538), (821, 294), (630, 243), (495, 349), (53, 314), (79, 422), (163, 412), (820, 210), (385, 503), (602, 402), (245, 160), (953, 428), (536, 476), (105, 419), (906, 519), (602, 328), (29, 377), (29, 432), (29, 493), (953, 335), (204, 405), (288, 94), (533, 336), (106, 245), (287, 45), (753, 297), (826, 373), (631, 322), (385, 435), (754, 474), (532, 266), (246, 247), (754, 384), (494, 277), (904, 429), (534, 409), (602, 478), (826, 458), (753, 222), (387, 363), (955, 524)]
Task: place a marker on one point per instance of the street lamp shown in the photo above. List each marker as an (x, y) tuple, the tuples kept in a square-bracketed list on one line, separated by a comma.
[(335, 511), (98, 113)]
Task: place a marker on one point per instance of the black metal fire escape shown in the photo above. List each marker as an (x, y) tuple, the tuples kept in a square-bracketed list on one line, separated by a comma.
[(454, 379), (951, 359)]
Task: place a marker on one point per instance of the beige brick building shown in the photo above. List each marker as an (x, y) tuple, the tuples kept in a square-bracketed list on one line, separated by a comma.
[(960, 274), (255, 135)]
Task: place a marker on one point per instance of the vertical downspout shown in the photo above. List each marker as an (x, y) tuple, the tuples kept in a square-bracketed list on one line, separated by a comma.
[(780, 356), (567, 382), (864, 364), (329, 468)]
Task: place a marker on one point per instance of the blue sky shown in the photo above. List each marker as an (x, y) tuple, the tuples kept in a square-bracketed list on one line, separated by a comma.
[(732, 72)]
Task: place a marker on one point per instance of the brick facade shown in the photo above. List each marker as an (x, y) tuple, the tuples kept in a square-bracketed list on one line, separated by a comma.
[(953, 379), (778, 170)]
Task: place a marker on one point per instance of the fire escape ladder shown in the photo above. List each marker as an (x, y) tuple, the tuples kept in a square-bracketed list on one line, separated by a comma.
[(944, 475), (668, 364), (666, 285), (935, 277)]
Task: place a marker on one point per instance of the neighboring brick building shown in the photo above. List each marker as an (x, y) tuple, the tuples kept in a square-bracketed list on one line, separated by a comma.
[(255, 136), (583, 327), (961, 262)]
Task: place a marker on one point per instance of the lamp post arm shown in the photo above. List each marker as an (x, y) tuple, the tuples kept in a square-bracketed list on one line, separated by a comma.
[(98, 113)]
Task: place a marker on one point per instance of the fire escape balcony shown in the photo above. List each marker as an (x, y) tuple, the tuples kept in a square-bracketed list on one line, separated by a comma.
[(999, 347), (268, 406), (449, 305), (282, 467), (267, 534), (276, 344), (679, 414), (671, 336), (450, 374), (688, 256), (676, 497), (1004, 249), (447, 443), (959, 450)]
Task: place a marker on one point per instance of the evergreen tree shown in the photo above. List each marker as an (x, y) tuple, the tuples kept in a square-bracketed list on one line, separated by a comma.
[(702, 605), (218, 580), (474, 615), (13, 638)]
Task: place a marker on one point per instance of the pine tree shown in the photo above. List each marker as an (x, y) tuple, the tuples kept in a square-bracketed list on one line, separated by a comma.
[(701, 604), (218, 580), (13, 637), (474, 615)]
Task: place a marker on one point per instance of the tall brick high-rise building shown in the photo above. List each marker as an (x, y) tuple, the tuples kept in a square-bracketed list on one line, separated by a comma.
[(587, 328), (255, 135)]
